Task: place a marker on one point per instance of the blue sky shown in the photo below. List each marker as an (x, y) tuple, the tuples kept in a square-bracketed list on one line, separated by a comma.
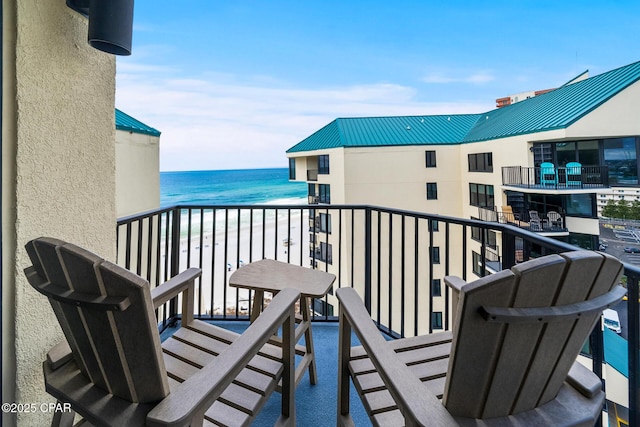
[(234, 84)]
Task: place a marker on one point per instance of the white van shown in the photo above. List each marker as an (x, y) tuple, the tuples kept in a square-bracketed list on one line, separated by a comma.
[(611, 320)]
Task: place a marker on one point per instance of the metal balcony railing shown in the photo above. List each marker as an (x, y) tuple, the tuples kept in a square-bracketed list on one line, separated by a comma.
[(546, 223), (385, 254), (560, 178), (312, 174)]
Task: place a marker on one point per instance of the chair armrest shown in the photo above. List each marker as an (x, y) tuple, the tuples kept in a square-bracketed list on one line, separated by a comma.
[(417, 404), (59, 355), (174, 286), (456, 284), (192, 398), (584, 380)]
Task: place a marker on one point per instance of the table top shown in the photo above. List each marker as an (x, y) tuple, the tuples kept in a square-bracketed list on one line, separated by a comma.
[(273, 276)]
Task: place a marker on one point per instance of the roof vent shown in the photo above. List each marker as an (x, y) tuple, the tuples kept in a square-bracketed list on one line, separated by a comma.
[(408, 127)]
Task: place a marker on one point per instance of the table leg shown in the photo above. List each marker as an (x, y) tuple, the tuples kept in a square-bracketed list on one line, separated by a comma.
[(308, 339), (256, 308)]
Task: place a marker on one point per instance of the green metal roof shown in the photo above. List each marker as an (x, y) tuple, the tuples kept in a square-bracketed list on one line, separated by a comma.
[(556, 109), (127, 123), (388, 131)]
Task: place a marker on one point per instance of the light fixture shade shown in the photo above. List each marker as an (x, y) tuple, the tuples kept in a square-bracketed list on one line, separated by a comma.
[(111, 25)]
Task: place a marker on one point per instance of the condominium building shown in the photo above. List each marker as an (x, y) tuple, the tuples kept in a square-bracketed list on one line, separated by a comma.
[(538, 164), (137, 165), (517, 97)]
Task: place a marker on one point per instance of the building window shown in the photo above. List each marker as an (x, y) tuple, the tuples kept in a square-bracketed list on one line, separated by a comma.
[(489, 237), (621, 159), (430, 158), (292, 168), (435, 255), (434, 225), (481, 162), (324, 195), (436, 320), (323, 164), (432, 191), (325, 252), (325, 223), (582, 205), (476, 260), (481, 195), (322, 253), (436, 288)]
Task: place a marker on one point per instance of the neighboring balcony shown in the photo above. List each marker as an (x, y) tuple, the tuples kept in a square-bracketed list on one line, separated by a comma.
[(313, 200), (572, 178), (551, 222), (312, 174)]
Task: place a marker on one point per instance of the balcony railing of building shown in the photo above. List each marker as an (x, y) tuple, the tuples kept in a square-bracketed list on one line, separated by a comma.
[(561, 178), (546, 222), (389, 256), (312, 174)]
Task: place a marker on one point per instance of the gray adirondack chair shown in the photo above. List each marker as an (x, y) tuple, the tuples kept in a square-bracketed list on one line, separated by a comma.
[(510, 361), (114, 371)]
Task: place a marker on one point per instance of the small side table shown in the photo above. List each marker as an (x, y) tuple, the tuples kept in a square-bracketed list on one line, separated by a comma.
[(273, 276)]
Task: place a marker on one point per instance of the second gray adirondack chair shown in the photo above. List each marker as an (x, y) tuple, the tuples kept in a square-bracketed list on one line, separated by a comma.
[(510, 361)]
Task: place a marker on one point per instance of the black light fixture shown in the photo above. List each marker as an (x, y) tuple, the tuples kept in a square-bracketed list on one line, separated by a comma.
[(110, 23)]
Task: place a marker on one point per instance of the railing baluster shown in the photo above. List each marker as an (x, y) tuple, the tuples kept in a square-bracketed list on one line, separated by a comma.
[(162, 250), (367, 259), (402, 273), (634, 341)]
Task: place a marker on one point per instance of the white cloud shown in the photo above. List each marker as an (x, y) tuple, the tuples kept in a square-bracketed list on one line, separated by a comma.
[(219, 122), (439, 77)]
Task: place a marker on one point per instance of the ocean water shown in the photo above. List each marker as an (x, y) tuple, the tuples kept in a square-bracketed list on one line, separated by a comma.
[(226, 187)]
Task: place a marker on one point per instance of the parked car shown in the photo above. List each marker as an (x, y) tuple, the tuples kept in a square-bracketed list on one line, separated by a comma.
[(632, 250), (611, 320)]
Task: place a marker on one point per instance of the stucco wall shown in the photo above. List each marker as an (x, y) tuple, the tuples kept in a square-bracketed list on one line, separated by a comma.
[(137, 172), (619, 116), (59, 143), (397, 177)]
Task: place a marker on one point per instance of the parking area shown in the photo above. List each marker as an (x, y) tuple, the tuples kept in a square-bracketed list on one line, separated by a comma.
[(619, 237)]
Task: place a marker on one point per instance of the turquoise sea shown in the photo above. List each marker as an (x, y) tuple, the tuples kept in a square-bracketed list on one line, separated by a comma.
[(226, 187)]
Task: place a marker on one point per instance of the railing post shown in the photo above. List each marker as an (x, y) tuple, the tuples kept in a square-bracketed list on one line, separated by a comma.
[(175, 255), (367, 258), (508, 250), (597, 356), (633, 342)]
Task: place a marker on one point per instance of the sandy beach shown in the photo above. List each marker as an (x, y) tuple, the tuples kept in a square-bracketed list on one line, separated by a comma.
[(220, 254)]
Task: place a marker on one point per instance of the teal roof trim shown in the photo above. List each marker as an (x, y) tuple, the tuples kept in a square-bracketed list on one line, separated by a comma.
[(127, 123), (574, 80), (556, 109)]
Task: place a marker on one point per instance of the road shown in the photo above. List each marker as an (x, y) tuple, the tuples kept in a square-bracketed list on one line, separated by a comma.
[(617, 239)]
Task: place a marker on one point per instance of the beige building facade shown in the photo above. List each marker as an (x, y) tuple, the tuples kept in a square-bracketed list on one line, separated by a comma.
[(58, 174), (137, 166), (483, 166)]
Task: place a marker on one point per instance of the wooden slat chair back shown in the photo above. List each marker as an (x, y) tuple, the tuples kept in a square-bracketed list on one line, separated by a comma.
[(90, 298), (518, 361), (574, 174), (509, 361), (548, 174)]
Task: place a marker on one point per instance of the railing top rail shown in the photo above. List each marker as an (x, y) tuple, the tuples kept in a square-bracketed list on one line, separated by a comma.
[(545, 242)]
